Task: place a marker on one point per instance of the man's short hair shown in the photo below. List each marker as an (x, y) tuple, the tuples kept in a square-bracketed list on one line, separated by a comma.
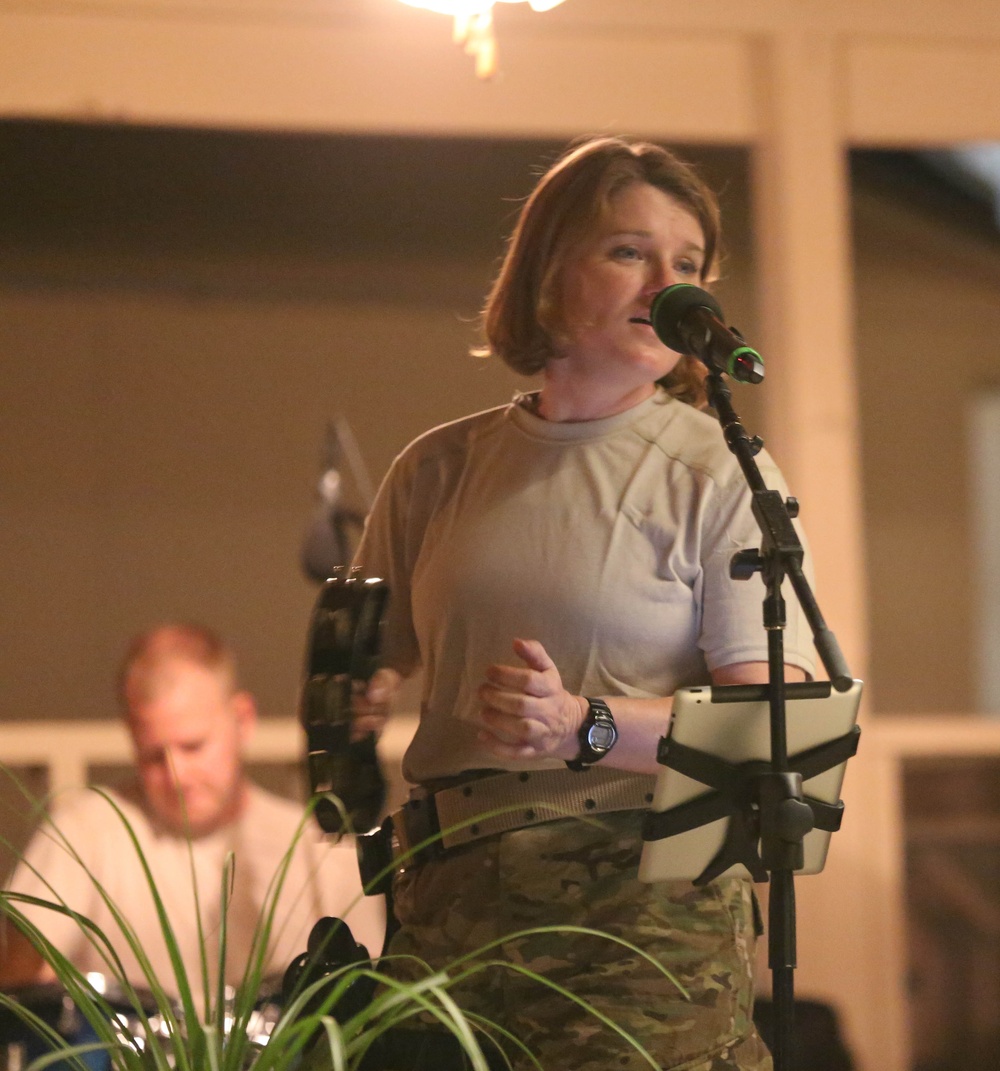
[(151, 650)]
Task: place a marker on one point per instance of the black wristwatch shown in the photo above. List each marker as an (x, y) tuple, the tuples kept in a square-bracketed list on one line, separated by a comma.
[(598, 735)]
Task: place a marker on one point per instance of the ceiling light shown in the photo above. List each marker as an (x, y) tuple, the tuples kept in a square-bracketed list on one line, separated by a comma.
[(473, 28)]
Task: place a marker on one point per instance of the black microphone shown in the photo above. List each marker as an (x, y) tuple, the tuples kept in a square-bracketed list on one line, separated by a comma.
[(332, 532), (326, 546), (689, 321)]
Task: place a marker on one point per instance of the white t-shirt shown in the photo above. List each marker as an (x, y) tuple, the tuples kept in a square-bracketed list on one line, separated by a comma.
[(322, 880), (609, 541)]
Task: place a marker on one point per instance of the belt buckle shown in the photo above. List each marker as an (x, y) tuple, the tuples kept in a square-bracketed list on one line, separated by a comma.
[(414, 824), (377, 857)]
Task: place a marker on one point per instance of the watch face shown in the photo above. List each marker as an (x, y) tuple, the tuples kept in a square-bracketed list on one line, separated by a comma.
[(601, 736)]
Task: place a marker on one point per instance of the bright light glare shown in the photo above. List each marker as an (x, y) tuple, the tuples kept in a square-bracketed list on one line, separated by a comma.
[(458, 8), (474, 25), (467, 8)]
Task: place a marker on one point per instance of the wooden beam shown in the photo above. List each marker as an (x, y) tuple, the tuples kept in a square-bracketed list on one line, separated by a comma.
[(404, 77), (907, 93)]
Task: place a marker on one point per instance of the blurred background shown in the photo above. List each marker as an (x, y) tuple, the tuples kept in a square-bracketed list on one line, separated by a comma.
[(228, 226)]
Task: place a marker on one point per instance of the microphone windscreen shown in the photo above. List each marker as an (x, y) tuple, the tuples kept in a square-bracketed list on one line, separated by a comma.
[(670, 306)]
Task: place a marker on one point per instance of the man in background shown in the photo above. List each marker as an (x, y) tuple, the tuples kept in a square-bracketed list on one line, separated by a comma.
[(191, 805)]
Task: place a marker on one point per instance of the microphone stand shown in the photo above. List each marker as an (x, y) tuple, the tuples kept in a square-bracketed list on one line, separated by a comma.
[(784, 816)]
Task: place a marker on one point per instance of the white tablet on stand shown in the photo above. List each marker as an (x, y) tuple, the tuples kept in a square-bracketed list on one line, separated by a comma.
[(739, 732)]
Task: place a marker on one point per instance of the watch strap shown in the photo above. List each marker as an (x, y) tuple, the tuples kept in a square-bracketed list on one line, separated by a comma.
[(598, 715)]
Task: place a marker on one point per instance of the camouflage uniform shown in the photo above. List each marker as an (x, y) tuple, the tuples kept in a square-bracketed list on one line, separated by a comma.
[(583, 873)]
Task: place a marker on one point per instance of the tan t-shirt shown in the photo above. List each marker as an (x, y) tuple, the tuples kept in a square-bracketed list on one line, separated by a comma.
[(323, 879), (609, 541)]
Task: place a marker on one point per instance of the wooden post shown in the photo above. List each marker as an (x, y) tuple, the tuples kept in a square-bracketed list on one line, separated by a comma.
[(849, 917)]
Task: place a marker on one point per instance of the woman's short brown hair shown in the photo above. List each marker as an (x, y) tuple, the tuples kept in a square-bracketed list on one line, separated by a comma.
[(521, 319)]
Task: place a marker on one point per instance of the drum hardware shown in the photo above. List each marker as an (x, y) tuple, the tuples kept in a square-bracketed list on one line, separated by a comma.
[(341, 656)]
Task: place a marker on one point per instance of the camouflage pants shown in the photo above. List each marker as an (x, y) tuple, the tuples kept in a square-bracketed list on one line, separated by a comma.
[(576, 873)]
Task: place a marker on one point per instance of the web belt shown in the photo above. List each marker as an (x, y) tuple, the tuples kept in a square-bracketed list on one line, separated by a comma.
[(485, 807)]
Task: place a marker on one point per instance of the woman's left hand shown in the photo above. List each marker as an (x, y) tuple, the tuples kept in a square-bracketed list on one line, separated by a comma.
[(371, 702), (526, 712)]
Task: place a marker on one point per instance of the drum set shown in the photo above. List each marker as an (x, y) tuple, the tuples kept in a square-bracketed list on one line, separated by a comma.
[(135, 1020)]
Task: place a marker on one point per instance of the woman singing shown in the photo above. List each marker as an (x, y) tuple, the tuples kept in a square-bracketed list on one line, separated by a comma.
[(558, 566)]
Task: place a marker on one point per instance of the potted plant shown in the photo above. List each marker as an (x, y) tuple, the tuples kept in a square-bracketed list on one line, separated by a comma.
[(341, 1016)]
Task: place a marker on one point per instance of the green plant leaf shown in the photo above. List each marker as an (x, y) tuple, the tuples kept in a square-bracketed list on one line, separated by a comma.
[(179, 1036)]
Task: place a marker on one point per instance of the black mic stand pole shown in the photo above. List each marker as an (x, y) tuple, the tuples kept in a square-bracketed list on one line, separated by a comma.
[(784, 816)]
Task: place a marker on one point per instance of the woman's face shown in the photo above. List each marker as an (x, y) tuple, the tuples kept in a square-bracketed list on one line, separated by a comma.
[(645, 241)]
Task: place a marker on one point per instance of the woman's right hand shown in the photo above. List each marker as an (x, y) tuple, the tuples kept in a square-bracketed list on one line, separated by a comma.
[(372, 703), (526, 712)]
